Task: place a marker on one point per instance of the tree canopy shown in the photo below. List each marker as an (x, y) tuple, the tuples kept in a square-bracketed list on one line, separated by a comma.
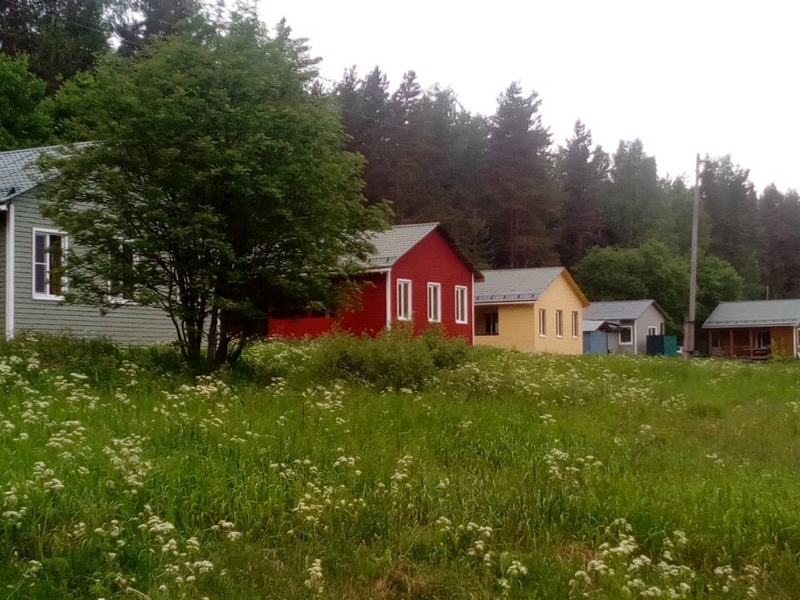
[(216, 186)]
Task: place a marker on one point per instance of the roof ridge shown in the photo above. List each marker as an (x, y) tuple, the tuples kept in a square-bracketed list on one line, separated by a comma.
[(414, 225), (31, 149)]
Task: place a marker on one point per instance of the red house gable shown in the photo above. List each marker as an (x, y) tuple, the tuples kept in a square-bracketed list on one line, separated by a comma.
[(418, 274)]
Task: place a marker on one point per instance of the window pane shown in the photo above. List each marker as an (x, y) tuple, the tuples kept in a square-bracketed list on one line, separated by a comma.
[(56, 260), (39, 251), (40, 279), (626, 335)]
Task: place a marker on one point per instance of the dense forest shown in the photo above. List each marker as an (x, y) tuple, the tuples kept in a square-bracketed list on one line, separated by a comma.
[(511, 194)]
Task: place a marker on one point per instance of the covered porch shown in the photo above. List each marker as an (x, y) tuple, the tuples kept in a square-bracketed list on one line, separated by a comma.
[(753, 343)]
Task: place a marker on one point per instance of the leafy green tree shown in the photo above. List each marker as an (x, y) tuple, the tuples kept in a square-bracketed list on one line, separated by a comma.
[(62, 37), (583, 172), (24, 117), (717, 281), (221, 170), (653, 270)]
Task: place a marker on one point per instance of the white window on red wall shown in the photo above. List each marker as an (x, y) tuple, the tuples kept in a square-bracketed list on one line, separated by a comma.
[(462, 307), (403, 300), (434, 302)]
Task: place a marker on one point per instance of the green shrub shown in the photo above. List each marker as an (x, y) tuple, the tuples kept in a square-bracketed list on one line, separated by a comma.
[(262, 362), (393, 360)]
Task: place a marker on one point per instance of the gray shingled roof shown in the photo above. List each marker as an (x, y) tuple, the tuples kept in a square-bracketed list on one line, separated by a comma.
[(623, 310), (774, 313), (514, 285), (16, 176), (393, 243)]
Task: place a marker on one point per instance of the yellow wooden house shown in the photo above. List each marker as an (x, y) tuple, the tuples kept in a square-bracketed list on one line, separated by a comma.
[(537, 310)]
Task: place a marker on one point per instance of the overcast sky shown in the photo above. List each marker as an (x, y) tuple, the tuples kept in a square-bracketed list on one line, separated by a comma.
[(706, 76)]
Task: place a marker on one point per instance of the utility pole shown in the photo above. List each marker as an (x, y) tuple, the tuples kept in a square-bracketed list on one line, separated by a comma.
[(689, 327)]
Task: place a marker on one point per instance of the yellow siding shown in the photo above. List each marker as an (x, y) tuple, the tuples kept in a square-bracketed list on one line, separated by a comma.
[(519, 323), (516, 327), (559, 296)]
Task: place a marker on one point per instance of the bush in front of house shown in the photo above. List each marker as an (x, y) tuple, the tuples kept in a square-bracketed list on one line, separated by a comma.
[(395, 359)]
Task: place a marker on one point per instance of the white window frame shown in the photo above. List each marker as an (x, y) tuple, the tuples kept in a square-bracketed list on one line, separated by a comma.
[(119, 298), (652, 330), (403, 312), (559, 323), (542, 322), (434, 302), (575, 324), (622, 327), (64, 247), (462, 292)]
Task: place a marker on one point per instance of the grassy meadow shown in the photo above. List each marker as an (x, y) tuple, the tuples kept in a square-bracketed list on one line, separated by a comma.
[(395, 469)]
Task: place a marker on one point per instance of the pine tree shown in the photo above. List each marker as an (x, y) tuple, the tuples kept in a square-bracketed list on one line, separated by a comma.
[(520, 197), (731, 203), (61, 37), (138, 21), (583, 173), (634, 203)]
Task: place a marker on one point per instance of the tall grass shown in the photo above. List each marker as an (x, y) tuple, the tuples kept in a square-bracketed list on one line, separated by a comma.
[(395, 468)]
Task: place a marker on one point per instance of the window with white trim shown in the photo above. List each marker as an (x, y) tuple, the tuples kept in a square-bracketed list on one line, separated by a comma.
[(559, 323), (575, 323), (121, 288), (462, 306), (652, 330), (48, 258), (434, 302), (403, 300), (626, 335), (543, 322)]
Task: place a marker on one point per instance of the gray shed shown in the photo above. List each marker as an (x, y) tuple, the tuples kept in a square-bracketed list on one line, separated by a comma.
[(633, 320)]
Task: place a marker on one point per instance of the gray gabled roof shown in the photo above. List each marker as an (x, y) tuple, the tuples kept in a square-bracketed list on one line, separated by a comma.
[(622, 310), (393, 243), (774, 313), (17, 174), (515, 285)]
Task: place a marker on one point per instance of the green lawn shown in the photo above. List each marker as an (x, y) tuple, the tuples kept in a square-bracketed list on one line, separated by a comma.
[(492, 475)]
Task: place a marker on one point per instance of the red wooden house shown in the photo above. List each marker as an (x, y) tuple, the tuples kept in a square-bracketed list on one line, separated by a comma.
[(416, 274)]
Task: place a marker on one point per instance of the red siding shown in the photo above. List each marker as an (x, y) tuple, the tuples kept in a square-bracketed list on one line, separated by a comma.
[(370, 318), (431, 260)]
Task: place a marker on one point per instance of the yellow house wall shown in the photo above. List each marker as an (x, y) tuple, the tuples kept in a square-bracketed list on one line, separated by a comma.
[(516, 328), (559, 296)]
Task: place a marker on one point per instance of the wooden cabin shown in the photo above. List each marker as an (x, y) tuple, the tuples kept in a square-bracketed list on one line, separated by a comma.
[(755, 329)]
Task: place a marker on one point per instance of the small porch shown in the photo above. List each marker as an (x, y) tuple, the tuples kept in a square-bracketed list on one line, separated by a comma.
[(752, 343)]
